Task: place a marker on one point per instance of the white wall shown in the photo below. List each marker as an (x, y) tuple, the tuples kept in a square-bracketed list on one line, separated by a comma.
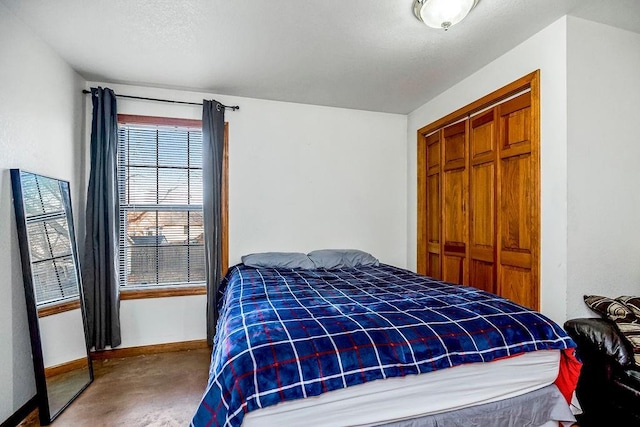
[(163, 320), (546, 51), (604, 172), (62, 337), (301, 177), (40, 123)]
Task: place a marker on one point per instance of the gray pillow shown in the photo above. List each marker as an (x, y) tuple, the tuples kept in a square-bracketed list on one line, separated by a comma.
[(342, 258), (278, 260)]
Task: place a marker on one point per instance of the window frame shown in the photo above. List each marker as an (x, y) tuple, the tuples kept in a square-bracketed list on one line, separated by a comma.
[(163, 291), (60, 307)]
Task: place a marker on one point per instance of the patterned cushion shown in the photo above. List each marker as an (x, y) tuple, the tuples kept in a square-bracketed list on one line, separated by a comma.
[(631, 331), (632, 303), (609, 308), (620, 312)]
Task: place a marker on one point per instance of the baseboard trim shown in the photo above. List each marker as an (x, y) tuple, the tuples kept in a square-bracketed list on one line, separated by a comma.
[(28, 410), (66, 367), (117, 353)]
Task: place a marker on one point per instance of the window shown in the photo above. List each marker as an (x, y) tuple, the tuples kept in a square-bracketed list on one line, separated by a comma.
[(52, 265), (160, 185)]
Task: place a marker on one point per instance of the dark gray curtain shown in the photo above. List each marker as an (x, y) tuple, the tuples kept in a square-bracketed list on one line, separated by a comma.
[(100, 266), (212, 152)]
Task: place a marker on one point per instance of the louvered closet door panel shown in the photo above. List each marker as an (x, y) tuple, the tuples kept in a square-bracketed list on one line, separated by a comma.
[(482, 230), (454, 191), (518, 232), (433, 205)]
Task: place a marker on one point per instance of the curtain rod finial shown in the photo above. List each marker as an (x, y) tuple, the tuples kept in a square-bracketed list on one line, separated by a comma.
[(220, 107)]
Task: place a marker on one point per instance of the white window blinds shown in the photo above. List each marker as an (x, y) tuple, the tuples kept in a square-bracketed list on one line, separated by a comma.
[(160, 186), (52, 266)]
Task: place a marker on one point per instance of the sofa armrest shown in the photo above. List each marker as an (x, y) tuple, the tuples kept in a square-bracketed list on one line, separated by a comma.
[(600, 336)]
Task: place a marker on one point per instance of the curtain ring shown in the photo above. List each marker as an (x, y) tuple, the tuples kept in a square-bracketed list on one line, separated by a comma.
[(219, 107)]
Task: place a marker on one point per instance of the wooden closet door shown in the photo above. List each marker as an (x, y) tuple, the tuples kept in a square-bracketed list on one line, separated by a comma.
[(482, 199), (433, 228), (518, 208), (454, 196)]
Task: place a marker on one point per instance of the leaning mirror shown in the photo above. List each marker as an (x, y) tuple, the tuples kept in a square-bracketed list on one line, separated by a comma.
[(53, 290)]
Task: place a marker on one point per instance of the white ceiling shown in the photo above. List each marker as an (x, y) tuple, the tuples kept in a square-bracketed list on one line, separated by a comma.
[(364, 54)]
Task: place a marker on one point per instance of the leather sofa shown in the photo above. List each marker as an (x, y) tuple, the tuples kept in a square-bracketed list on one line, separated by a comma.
[(609, 385)]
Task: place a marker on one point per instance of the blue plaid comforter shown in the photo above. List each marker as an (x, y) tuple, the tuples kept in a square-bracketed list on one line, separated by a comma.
[(289, 334)]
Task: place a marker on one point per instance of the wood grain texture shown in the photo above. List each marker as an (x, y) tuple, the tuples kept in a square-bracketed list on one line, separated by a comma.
[(454, 194), (486, 101), (482, 195), (224, 197), (433, 211), (160, 292), (422, 265), (66, 367), (534, 191), (518, 214), (59, 308), (489, 160), (159, 121)]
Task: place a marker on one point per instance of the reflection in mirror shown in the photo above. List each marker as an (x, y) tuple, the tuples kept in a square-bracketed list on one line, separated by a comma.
[(53, 290)]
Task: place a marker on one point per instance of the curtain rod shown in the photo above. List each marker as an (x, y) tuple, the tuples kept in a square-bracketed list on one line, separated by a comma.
[(231, 107)]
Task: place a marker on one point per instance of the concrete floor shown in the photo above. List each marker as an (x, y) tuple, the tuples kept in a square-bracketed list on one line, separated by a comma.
[(159, 390), (61, 388), (156, 390)]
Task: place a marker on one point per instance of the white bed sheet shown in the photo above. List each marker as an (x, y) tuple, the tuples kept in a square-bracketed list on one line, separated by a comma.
[(395, 399)]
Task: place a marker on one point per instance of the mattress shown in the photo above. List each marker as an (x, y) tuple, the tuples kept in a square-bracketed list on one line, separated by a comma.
[(413, 396)]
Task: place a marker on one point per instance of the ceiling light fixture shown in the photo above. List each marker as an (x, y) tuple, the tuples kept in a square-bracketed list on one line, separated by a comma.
[(442, 13)]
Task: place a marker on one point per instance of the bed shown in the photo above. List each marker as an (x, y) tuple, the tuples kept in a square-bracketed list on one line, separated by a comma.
[(374, 345)]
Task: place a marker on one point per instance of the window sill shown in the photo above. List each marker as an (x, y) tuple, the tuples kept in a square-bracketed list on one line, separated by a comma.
[(58, 308), (126, 294)]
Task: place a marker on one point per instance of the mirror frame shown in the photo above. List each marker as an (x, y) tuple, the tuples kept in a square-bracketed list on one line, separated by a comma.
[(32, 311)]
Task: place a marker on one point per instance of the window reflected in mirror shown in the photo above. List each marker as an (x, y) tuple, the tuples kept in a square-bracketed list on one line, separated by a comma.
[(54, 273)]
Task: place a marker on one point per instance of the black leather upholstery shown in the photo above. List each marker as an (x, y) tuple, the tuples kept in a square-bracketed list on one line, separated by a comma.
[(632, 377), (609, 384), (599, 335)]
